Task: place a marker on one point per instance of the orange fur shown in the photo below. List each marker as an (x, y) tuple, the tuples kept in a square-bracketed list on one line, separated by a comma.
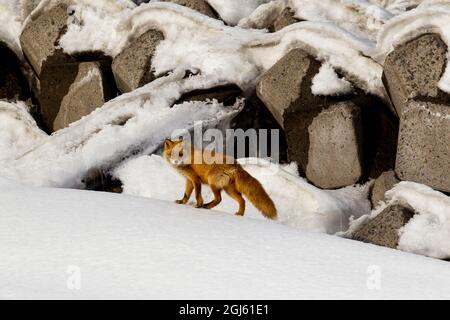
[(227, 175)]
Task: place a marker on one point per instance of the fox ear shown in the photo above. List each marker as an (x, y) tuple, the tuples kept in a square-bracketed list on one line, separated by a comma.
[(167, 143)]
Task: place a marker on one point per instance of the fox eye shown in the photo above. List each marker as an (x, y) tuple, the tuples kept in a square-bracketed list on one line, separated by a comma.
[(181, 154)]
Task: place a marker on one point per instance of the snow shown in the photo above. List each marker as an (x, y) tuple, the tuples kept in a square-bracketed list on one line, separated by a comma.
[(123, 247), (234, 55), (109, 6), (359, 17), (369, 28), (18, 130), (10, 20), (428, 232), (90, 24), (398, 6), (327, 82), (90, 76), (145, 246), (299, 204), (349, 35), (134, 123), (232, 11)]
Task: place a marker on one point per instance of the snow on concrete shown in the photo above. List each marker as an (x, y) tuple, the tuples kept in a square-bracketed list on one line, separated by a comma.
[(428, 232), (360, 17), (18, 130), (346, 34), (299, 203), (90, 24), (327, 82), (430, 16), (107, 6), (134, 123), (53, 241), (232, 11), (196, 42), (13, 17)]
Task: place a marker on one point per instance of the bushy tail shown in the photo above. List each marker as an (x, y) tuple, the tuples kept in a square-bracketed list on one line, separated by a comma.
[(254, 191)]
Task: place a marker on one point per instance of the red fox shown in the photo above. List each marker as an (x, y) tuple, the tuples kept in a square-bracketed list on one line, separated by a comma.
[(227, 175)]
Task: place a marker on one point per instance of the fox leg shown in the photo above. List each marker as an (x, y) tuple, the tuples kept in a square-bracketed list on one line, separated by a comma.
[(217, 198), (187, 192), (236, 195), (198, 193)]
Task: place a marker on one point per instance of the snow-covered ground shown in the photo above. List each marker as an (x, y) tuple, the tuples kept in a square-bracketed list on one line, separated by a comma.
[(53, 241)]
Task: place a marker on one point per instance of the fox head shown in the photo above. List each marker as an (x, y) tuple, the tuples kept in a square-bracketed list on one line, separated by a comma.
[(176, 152)]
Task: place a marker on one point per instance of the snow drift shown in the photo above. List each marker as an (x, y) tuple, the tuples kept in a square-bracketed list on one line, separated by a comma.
[(121, 247)]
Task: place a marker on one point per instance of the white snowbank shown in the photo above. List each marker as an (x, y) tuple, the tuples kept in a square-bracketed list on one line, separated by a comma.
[(428, 232), (18, 130), (299, 204), (327, 82), (121, 247), (430, 16), (134, 123)]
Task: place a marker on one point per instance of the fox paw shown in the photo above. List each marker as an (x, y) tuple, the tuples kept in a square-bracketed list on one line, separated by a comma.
[(180, 201), (198, 205), (239, 214)]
